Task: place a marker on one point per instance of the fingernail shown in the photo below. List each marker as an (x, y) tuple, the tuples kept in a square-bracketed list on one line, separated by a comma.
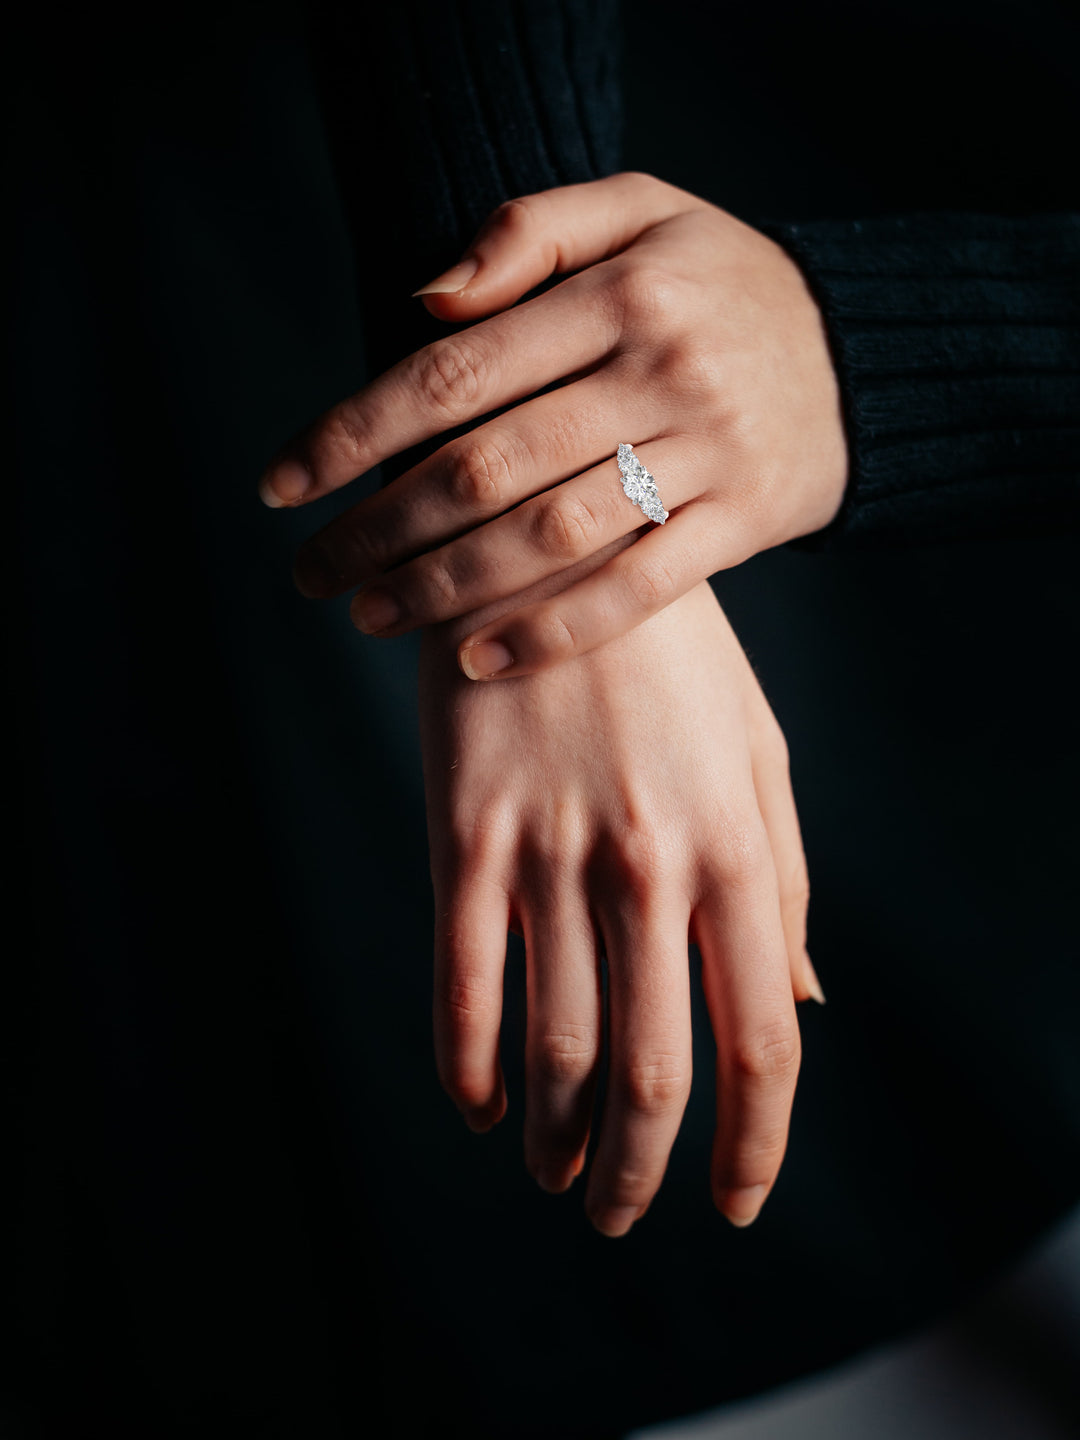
[(741, 1207), (554, 1179), (479, 1121), (375, 609), (285, 484), (616, 1221), (451, 280), (314, 574), (813, 984), (485, 658)]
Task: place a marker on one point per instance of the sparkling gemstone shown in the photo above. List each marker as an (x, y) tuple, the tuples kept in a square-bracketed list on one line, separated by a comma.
[(639, 485)]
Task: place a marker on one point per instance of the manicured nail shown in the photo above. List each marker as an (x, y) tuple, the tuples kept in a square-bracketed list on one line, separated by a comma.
[(375, 609), (485, 658), (285, 484), (616, 1221), (314, 574), (451, 280), (813, 984), (741, 1207)]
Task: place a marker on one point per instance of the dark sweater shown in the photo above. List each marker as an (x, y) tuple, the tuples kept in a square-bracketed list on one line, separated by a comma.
[(239, 1201), (956, 336), (956, 340)]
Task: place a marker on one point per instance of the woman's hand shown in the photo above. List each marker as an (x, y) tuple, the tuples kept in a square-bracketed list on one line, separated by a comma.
[(636, 798), (684, 333)]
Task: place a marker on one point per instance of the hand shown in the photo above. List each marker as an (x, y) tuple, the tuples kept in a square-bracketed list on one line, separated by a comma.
[(638, 798), (684, 333)]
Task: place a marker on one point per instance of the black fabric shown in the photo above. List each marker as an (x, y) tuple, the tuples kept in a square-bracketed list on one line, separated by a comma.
[(956, 339), (240, 1203), (483, 102)]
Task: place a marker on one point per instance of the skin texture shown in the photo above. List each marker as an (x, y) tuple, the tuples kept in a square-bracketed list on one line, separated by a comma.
[(634, 798), (626, 790), (680, 330)]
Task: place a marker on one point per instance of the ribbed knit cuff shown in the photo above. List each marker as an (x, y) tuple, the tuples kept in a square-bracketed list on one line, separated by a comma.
[(501, 100), (956, 340)]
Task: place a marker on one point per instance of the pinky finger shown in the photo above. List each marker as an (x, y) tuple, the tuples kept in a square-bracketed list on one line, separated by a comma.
[(776, 801), (664, 564)]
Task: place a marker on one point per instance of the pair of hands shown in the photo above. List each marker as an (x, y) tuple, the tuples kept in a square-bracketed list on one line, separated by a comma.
[(630, 790)]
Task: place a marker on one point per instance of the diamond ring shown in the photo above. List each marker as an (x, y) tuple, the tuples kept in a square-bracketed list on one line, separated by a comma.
[(639, 485)]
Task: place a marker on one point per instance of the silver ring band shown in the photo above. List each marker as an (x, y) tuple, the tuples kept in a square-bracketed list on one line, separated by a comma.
[(639, 485)]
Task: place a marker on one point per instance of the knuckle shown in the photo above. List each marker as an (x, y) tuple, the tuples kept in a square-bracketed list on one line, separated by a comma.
[(554, 844), (650, 583), (514, 216), (565, 1055), (654, 1085), (771, 1053), (636, 859), (479, 475), (450, 375), (626, 1186), (477, 838), (744, 857), (342, 437), (566, 529), (644, 178), (695, 370), (752, 1162), (466, 997), (648, 297), (369, 545), (554, 636), (439, 588), (467, 1011)]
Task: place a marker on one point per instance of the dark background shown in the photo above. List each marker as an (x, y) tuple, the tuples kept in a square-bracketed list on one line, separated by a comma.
[(239, 1200)]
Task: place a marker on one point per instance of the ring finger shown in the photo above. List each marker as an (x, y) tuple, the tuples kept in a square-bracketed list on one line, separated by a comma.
[(548, 533), (563, 1029), (474, 478), (747, 983)]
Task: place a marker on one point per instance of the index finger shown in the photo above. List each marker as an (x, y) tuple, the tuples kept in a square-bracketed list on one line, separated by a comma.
[(455, 379), (491, 364)]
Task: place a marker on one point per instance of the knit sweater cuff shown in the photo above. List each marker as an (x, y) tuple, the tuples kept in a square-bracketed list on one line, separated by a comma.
[(956, 341)]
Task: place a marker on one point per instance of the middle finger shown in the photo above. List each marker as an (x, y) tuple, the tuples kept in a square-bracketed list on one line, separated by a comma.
[(747, 982), (564, 1017), (447, 383), (477, 477), (548, 534), (650, 1059)]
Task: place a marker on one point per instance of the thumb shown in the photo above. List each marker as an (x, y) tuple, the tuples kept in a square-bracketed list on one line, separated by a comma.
[(551, 232)]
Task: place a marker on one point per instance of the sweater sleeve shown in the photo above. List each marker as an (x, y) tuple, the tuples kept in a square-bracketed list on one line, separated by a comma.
[(956, 340)]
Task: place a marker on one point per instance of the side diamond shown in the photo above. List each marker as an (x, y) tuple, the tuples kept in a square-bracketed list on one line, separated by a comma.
[(639, 485)]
